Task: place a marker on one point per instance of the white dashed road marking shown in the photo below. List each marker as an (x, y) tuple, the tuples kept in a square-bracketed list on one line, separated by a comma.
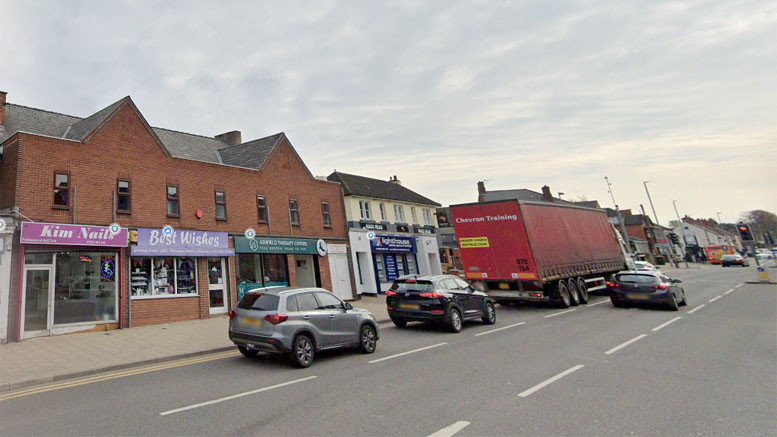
[(624, 344), (598, 303), (739, 285), (714, 299), (448, 431), (730, 291), (697, 308), (407, 353), (560, 313), (666, 324), (550, 381), (499, 329)]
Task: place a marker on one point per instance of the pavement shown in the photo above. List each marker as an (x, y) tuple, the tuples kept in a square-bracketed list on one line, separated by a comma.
[(48, 359)]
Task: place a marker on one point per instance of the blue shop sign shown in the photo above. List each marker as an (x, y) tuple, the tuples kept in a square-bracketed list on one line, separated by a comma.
[(388, 243)]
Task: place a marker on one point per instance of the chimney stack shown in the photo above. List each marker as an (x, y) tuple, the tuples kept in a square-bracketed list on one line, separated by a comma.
[(2, 107), (481, 191), (394, 180), (232, 138), (546, 196)]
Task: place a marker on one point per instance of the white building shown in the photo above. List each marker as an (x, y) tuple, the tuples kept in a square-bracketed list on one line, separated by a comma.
[(700, 236), (392, 231), (7, 228)]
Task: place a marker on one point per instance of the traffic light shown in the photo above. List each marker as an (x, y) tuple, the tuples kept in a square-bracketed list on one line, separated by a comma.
[(675, 239), (744, 232)]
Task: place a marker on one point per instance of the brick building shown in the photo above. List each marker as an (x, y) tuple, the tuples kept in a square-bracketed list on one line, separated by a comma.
[(64, 180)]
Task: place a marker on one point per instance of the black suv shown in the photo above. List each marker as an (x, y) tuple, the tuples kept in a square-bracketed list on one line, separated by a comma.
[(444, 299)]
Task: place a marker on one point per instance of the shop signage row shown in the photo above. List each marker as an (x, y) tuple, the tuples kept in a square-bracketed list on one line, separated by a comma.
[(277, 245), (154, 242), (373, 226), (387, 243), (72, 235)]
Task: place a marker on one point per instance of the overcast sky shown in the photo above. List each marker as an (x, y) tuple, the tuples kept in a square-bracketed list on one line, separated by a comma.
[(440, 93)]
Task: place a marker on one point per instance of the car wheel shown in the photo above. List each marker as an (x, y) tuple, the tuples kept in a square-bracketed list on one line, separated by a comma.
[(454, 320), (582, 289), (248, 353), (562, 294), (489, 315), (399, 322), (574, 296), (302, 353), (684, 302), (673, 303), (367, 340)]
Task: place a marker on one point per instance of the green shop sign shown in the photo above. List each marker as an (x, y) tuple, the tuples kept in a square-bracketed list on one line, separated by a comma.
[(275, 245)]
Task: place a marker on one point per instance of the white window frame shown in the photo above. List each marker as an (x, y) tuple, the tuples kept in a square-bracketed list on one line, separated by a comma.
[(196, 292), (364, 209), (382, 207), (427, 217), (412, 213), (399, 214)]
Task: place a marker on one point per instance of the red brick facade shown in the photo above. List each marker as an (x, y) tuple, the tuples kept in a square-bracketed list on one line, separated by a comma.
[(124, 148)]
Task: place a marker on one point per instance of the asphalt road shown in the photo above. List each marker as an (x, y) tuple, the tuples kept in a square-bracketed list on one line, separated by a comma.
[(539, 370)]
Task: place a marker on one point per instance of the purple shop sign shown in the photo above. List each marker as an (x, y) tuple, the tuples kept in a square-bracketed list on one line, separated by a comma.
[(153, 242), (72, 235)]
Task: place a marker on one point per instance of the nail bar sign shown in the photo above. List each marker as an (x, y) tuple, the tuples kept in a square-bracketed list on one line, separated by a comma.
[(72, 235)]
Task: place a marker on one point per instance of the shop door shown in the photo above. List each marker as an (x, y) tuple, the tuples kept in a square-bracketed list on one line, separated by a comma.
[(341, 277), (38, 300), (217, 285)]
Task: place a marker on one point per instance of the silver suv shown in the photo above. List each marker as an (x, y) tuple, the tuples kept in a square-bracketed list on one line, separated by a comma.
[(299, 322)]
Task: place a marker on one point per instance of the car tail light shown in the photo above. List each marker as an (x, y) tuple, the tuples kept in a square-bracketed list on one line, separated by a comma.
[(535, 294), (613, 284), (390, 308), (276, 318), (431, 295), (232, 314), (391, 293), (410, 281), (659, 287), (437, 311)]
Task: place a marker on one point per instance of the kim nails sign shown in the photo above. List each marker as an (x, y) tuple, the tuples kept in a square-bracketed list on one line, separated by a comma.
[(72, 235)]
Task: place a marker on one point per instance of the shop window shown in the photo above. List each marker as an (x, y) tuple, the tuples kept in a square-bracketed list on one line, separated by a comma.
[(261, 209), (427, 217), (123, 196), (382, 208), (412, 266), (399, 213), (62, 190), (38, 258), (173, 209), (221, 205), (260, 270), (381, 269), (364, 209), (412, 212), (326, 216), (401, 265), (294, 212), (163, 277), (85, 288)]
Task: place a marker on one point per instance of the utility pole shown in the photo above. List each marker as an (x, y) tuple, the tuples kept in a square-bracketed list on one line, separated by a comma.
[(651, 202), (682, 229), (621, 219)]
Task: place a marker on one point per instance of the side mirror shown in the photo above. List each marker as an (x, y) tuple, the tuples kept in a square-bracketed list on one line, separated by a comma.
[(348, 306), (676, 281)]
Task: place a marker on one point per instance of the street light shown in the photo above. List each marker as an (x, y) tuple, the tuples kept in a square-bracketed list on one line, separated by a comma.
[(621, 219), (718, 214), (651, 203), (682, 229)]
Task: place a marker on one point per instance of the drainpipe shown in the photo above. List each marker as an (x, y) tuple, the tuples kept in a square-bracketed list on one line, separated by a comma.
[(74, 205)]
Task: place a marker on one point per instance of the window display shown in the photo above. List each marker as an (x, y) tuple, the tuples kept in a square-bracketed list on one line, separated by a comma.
[(163, 277), (260, 270), (85, 287)]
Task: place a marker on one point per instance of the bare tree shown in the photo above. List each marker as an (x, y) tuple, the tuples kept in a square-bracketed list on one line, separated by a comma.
[(763, 221)]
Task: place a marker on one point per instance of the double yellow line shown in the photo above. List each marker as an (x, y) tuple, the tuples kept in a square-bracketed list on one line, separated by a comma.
[(123, 374)]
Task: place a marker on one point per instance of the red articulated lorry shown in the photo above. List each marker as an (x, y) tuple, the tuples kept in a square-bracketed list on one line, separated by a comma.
[(538, 251)]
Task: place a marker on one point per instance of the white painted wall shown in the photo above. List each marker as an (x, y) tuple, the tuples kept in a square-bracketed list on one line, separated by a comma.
[(6, 238), (353, 213)]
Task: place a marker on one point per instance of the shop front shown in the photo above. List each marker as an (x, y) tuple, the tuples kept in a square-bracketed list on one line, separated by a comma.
[(266, 262), (392, 257), (70, 278), (170, 266)]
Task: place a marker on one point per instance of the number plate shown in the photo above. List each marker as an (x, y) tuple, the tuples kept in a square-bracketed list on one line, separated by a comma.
[(409, 306), (251, 322), (638, 296)]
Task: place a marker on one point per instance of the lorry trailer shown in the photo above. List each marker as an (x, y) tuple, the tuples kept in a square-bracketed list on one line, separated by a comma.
[(537, 251)]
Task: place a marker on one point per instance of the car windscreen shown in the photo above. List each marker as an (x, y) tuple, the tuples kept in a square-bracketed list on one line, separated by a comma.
[(411, 285), (259, 302), (638, 279)]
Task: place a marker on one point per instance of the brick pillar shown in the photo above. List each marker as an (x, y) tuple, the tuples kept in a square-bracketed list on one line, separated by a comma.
[(324, 272), (202, 288), (291, 267)]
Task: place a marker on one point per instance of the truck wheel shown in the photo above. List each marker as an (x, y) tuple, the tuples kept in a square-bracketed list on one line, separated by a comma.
[(574, 297), (561, 294), (582, 289)]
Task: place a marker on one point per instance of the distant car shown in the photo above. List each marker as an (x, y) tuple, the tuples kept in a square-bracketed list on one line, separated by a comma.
[(443, 299), (299, 322), (733, 260), (644, 266), (634, 288)]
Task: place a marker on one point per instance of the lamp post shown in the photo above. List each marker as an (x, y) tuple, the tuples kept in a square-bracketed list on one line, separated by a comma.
[(651, 203), (621, 219), (682, 229), (718, 214)]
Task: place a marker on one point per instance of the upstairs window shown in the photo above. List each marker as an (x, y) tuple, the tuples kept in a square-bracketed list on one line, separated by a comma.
[(325, 213), (412, 212), (173, 209), (364, 209), (382, 212), (399, 213), (61, 190), (261, 209), (123, 196), (294, 212), (427, 217), (221, 205)]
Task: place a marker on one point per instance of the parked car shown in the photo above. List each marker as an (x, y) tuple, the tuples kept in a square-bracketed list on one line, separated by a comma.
[(299, 322), (644, 266), (733, 260), (444, 299), (636, 287)]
